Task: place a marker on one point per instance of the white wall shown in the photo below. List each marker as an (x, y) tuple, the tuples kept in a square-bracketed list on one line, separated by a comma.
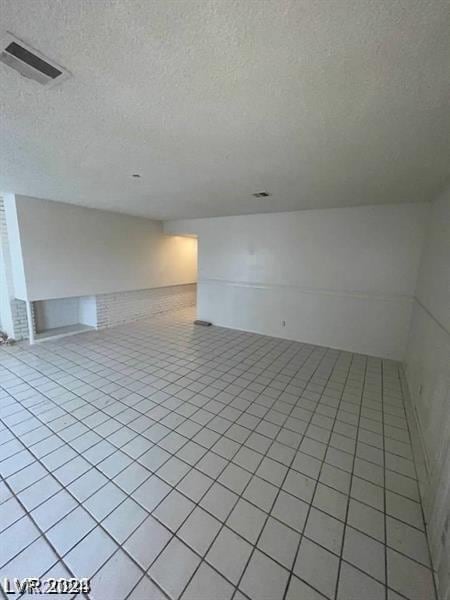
[(427, 368), (49, 314), (74, 251), (6, 283), (87, 310), (6, 320), (15, 247), (339, 277)]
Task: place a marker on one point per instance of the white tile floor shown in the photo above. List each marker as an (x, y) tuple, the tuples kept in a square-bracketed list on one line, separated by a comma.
[(164, 460)]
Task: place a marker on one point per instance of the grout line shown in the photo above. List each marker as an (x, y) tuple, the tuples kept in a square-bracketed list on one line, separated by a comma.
[(109, 513), (277, 349), (349, 366)]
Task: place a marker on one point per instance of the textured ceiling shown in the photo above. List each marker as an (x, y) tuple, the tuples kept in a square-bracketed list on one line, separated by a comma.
[(322, 103)]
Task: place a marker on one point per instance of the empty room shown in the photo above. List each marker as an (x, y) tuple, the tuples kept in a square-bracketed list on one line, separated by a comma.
[(225, 299)]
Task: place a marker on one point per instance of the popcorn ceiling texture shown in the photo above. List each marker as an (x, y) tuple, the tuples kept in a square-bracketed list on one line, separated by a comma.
[(324, 104)]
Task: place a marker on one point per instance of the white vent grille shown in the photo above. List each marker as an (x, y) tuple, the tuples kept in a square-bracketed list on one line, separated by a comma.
[(29, 62)]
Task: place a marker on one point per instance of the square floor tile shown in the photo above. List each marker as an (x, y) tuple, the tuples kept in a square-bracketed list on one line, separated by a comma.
[(282, 453), (354, 585), (325, 530), (14, 463), (146, 589), (206, 437), (272, 471), (408, 540), (405, 486), (404, 509), (318, 567), (365, 553), (306, 464), (151, 492), (38, 557), (124, 520), (17, 537), (116, 578), (199, 530), (137, 446), (219, 501), (369, 471), (174, 580), (148, 540), (409, 577), (229, 554), (367, 492), (173, 510), (263, 578), (104, 501), (38, 492), (248, 459), (226, 448), (366, 519), (70, 530), (172, 442), (26, 477), (313, 447), (299, 485), (131, 477), (91, 553), (235, 478), (330, 501), (54, 509), (87, 484), (335, 478), (98, 453), (195, 484), (71, 470), (290, 510), (247, 520), (299, 590), (154, 458), (261, 493), (211, 464), (207, 584), (280, 542), (173, 471), (10, 511)]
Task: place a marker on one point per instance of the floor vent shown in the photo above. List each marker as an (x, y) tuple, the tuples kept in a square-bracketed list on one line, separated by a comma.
[(29, 62)]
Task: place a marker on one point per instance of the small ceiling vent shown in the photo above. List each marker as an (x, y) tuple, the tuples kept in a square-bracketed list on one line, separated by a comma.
[(261, 194), (29, 62)]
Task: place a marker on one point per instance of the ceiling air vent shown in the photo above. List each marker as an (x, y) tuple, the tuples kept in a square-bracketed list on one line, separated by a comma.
[(29, 62), (261, 194)]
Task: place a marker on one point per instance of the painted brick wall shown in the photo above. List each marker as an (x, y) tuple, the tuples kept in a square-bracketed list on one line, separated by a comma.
[(19, 314), (123, 307)]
